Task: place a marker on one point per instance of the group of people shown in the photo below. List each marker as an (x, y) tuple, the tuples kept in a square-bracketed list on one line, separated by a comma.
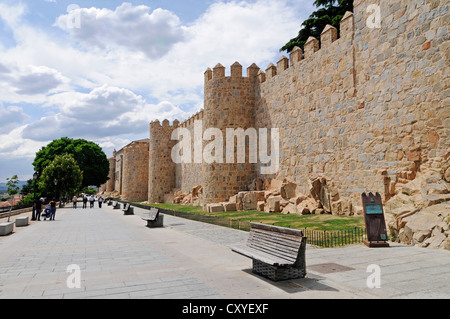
[(85, 200), (47, 211)]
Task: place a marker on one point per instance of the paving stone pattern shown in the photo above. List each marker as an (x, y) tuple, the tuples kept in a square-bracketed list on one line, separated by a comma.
[(121, 258)]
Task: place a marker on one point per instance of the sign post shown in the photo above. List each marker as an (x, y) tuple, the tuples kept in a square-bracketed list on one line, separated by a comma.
[(374, 219)]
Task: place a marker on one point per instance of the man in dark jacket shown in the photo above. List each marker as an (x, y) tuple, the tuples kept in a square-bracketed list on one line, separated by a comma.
[(38, 207)]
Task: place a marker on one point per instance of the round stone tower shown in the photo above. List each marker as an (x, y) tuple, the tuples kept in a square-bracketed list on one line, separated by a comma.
[(229, 104), (161, 169)]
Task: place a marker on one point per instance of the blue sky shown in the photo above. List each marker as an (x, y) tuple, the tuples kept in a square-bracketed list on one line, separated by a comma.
[(102, 70)]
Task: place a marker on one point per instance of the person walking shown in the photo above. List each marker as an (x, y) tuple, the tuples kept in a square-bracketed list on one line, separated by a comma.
[(91, 201), (84, 201), (74, 201), (52, 209), (100, 201), (38, 207)]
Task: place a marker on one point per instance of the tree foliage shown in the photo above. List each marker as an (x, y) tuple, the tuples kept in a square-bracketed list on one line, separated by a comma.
[(90, 158), (27, 188), (65, 171), (329, 12), (13, 189), (12, 184)]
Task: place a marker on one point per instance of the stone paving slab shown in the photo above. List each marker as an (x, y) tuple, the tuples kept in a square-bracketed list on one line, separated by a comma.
[(120, 258)]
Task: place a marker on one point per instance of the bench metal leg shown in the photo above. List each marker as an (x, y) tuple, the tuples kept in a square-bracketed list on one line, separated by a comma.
[(130, 211), (277, 273), (156, 223)]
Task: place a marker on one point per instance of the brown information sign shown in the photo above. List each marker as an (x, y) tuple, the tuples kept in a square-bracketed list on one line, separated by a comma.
[(374, 219)]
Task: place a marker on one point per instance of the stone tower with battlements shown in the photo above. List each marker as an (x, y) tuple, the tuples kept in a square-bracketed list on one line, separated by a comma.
[(161, 168), (229, 103), (365, 107)]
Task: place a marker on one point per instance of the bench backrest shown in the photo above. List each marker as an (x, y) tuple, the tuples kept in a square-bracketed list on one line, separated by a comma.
[(126, 206), (277, 241), (153, 214)]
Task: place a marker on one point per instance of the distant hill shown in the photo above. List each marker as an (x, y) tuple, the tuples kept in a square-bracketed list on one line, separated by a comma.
[(4, 187)]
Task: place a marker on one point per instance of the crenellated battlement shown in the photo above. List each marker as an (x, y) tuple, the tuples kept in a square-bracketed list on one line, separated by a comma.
[(328, 36), (345, 106), (156, 124), (218, 72), (190, 121)]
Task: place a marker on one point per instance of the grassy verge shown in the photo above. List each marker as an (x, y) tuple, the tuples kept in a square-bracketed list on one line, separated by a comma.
[(313, 222)]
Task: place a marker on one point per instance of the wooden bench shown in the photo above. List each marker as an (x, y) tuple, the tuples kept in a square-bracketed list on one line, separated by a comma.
[(154, 218), (127, 209), (278, 253)]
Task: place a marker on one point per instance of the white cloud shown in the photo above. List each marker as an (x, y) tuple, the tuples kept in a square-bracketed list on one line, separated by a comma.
[(11, 117), (12, 15), (101, 104), (127, 26), (29, 84), (105, 111), (13, 146), (123, 68), (38, 80)]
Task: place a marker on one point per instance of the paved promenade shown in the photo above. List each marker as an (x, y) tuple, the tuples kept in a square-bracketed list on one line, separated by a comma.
[(121, 258)]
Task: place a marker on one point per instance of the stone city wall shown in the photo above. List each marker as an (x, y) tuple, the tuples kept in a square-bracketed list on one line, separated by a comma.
[(135, 171), (189, 175), (363, 108)]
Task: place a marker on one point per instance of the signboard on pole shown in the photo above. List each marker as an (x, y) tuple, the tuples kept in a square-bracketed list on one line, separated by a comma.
[(374, 219)]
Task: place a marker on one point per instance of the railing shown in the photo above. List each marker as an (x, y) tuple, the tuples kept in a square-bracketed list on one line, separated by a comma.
[(220, 221), (20, 205), (335, 238), (314, 237)]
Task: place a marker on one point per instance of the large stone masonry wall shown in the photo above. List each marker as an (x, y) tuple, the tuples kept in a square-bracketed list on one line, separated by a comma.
[(112, 171), (310, 99), (367, 106), (364, 109), (403, 84), (118, 175), (161, 167), (229, 103), (135, 171), (189, 175)]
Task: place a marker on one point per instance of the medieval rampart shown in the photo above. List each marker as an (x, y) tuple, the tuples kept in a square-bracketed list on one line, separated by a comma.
[(363, 108)]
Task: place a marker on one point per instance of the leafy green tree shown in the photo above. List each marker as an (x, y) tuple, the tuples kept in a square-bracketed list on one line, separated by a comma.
[(62, 176), (329, 12), (12, 184), (89, 156), (13, 189), (27, 188)]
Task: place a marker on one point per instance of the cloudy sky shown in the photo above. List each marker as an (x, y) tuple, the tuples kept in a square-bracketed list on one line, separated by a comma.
[(102, 70)]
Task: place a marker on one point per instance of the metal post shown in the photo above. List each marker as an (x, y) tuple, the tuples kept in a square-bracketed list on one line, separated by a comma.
[(33, 214)]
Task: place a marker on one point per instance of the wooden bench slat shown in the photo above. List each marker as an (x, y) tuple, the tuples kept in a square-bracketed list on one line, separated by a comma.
[(275, 239), (288, 238), (280, 243), (273, 251), (152, 215), (277, 252), (275, 244), (256, 254), (277, 229)]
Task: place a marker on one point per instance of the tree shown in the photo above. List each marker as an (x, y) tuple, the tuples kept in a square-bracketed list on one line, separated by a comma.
[(13, 189), (27, 188), (314, 25), (90, 158), (65, 171)]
